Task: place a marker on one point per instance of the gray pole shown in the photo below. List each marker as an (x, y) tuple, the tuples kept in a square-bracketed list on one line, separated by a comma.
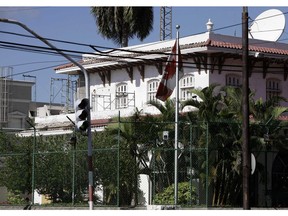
[(87, 89), (176, 123), (246, 156)]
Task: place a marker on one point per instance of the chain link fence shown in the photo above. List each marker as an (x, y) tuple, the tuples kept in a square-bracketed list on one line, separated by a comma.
[(134, 165)]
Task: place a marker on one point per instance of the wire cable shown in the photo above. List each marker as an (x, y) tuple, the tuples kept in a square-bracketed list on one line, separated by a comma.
[(110, 50), (46, 50), (49, 51)]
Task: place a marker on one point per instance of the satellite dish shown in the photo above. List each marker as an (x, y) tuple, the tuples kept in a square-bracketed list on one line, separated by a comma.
[(269, 25)]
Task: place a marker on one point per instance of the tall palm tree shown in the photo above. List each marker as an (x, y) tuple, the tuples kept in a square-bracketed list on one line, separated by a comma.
[(123, 23)]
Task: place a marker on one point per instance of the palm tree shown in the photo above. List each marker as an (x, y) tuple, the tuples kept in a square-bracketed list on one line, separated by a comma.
[(225, 135), (167, 109), (266, 122), (136, 138), (209, 103), (123, 23), (215, 109)]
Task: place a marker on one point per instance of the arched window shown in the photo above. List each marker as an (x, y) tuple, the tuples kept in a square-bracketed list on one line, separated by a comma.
[(152, 86), (233, 80), (187, 83), (121, 96)]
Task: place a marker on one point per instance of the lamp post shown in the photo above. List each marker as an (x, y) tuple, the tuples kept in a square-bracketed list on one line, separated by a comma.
[(33, 162), (87, 89)]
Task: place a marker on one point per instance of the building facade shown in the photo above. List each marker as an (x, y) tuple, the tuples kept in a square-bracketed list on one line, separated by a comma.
[(128, 78)]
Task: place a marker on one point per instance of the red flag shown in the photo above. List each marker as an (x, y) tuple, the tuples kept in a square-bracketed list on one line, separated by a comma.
[(168, 81)]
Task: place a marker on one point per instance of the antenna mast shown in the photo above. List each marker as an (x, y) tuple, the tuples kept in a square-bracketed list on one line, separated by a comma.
[(165, 23)]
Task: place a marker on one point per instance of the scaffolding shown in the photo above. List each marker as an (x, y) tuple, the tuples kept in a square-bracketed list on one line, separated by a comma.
[(121, 100), (101, 102), (5, 77), (62, 91)]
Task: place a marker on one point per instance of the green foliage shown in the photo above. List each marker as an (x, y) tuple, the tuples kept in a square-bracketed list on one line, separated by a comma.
[(135, 146), (186, 195), (123, 23), (53, 166), (17, 163), (15, 198)]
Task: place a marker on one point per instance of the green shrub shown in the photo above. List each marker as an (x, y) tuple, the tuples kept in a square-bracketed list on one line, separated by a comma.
[(15, 198), (186, 195)]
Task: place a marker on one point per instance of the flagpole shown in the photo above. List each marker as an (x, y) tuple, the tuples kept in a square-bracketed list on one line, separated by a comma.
[(176, 122)]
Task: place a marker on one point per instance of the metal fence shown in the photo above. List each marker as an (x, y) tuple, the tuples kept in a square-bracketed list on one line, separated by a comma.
[(134, 165)]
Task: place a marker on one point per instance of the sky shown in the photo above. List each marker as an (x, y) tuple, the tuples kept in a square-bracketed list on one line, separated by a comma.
[(76, 24)]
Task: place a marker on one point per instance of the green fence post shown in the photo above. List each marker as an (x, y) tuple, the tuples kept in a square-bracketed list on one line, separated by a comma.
[(190, 170), (118, 163), (207, 163)]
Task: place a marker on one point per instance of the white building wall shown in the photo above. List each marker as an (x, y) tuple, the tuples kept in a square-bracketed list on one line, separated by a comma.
[(137, 86), (201, 79)]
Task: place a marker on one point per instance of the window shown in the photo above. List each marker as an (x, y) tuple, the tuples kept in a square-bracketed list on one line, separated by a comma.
[(121, 96), (233, 80), (187, 83), (272, 88), (152, 86)]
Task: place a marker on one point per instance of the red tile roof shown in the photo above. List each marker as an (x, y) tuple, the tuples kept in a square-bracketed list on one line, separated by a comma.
[(254, 45)]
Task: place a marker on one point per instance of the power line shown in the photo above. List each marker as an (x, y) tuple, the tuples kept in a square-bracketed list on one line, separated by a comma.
[(46, 50), (118, 49), (29, 63), (16, 9), (97, 47), (49, 51), (37, 49), (20, 73)]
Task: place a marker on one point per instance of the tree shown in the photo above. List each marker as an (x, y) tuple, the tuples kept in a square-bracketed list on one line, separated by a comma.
[(53, 167), (208, 104), (16, 160), (166, 109), (126, 138), (123, 23)]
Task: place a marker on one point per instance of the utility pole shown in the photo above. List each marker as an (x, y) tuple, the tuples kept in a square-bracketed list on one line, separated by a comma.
[(246, 156)]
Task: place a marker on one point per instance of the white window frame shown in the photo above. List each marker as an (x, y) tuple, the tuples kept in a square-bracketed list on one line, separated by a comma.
[(186, 84), (121, 96), (152, 86)]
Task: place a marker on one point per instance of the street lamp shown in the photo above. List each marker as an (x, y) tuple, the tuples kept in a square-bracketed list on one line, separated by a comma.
[(87, 89)]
